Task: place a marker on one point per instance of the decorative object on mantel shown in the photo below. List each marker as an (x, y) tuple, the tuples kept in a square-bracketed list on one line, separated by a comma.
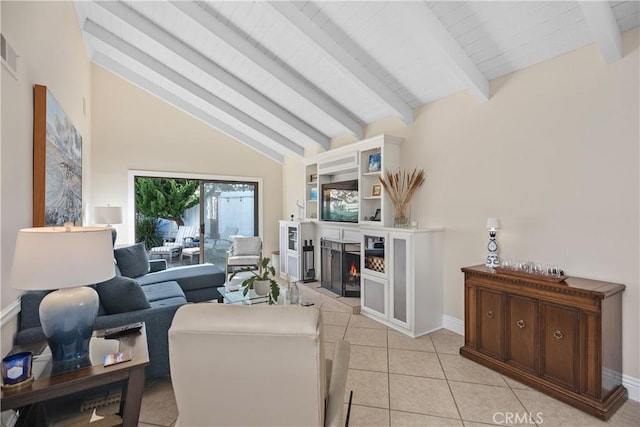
[(401, 186), (492, 261)]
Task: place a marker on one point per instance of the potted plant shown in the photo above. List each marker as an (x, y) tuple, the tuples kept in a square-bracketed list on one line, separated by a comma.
[(261, 281)]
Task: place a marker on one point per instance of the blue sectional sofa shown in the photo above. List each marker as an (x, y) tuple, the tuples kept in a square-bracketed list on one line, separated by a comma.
[(152, 298)]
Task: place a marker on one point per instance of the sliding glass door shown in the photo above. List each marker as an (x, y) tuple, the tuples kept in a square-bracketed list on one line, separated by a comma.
[(227, 209), (218, 209)]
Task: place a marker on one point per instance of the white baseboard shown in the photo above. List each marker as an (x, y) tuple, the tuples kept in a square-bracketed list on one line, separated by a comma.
[(633, 387), (453, 324), (9, 312), (630, 383)]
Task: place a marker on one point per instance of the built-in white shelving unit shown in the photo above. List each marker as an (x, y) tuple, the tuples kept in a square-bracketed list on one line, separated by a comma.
[(365, 161), (401, 269)]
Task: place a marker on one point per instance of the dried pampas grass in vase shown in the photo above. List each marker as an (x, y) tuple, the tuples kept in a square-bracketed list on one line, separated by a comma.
[(400, 187)]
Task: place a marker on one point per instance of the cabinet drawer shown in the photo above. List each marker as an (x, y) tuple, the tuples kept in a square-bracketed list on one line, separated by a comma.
[(521, 327), (559, 340), (490, 322)]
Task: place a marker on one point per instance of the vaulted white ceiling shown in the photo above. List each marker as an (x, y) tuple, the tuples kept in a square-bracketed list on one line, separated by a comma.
[(283, 76)]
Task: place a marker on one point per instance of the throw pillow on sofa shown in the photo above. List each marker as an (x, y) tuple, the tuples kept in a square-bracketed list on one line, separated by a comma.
[(121, 294), (133, 260)]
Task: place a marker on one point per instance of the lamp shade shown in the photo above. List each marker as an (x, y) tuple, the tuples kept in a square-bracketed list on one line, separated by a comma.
[(62, 257), (493, 224), (107, 214)]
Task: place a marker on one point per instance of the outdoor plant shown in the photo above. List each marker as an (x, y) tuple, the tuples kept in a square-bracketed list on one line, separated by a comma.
[(147, 231), (265, 273), (165, 197)]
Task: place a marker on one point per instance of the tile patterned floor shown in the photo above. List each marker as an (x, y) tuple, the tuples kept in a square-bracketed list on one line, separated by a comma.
[(400, 381)]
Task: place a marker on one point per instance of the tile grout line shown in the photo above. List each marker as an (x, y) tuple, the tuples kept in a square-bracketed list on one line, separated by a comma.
[(455, 402)]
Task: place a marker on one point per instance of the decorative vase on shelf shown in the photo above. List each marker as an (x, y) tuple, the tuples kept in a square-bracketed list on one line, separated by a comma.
[(400, 188), (401, 216)]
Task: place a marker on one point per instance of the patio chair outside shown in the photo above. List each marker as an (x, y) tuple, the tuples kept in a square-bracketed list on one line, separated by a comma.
[(184, 238)]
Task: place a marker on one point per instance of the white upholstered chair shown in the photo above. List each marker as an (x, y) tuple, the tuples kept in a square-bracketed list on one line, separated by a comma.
[(245, 252), (255, 366)]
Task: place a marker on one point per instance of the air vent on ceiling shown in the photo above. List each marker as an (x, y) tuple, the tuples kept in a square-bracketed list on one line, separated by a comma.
[(9, 56)]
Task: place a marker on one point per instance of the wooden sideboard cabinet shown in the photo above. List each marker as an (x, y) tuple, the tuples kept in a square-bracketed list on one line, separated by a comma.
[(564, 339)]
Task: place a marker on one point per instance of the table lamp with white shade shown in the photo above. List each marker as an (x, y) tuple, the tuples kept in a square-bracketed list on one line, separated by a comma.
[(66, 259), (492, 261), (108, 215)]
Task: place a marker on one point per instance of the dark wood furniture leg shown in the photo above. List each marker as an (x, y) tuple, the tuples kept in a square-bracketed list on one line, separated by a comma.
[(132, 399)]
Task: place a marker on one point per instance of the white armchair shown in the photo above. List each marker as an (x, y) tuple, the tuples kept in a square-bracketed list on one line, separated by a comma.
[(255, 366), (245, 252)]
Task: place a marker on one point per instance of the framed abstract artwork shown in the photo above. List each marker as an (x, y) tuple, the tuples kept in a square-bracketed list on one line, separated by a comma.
[(375, 162), (57, 163)]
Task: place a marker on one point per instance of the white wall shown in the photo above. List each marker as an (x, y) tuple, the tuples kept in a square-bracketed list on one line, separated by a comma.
[(553, 154), (134, 130), (47, 38)]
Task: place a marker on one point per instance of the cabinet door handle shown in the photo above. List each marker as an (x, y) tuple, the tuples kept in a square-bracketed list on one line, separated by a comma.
[(521, 324), (558, 335), (490, 314)]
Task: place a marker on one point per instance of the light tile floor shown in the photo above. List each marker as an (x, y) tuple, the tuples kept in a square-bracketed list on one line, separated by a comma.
[(400, 381)]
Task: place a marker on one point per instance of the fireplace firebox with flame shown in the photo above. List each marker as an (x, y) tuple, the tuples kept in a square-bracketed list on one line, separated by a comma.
[(340, 267)]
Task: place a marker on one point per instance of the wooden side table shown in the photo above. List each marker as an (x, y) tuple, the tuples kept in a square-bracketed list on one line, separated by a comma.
[(50, 386)]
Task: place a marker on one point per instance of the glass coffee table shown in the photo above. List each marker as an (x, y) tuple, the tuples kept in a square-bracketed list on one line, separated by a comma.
[(235, 296)]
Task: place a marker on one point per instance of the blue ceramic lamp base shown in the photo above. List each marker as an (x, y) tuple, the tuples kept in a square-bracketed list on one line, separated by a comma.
[(67, 317)]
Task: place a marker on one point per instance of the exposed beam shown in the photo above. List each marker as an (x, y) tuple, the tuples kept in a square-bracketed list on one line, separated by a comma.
[(238, 41), (176, 101), (604, 28), (191, 55), (350, 64), (451, 53), (178, 79)]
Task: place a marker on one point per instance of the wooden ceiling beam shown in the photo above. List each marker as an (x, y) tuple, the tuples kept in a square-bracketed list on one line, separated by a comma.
[(451, 53), (165, 95), (238, 41), (604, 28), (170, 42), (178, 79), (344, 58)]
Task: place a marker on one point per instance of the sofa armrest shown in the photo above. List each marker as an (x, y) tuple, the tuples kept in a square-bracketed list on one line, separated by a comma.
[(157, 265), (334, 415)]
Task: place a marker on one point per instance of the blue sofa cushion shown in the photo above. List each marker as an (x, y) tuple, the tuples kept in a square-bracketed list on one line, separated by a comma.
[(163, 290), (121, 295), (133, 260), (190, 277)]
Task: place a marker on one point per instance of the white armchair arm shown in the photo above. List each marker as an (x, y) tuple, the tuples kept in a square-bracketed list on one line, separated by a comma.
[(334, 416)]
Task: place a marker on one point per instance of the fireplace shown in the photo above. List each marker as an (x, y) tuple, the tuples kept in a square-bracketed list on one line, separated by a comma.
[(340, 267)]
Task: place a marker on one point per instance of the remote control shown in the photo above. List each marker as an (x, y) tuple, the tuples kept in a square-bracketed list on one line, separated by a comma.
[(118, 330)]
